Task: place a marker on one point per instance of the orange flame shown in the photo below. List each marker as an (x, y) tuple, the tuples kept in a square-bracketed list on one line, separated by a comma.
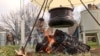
[(51, 41)]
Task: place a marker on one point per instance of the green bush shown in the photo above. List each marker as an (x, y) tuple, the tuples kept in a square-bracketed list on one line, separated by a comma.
[(8, 50)]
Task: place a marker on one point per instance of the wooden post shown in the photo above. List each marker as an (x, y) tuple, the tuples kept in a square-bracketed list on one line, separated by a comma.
[(23, 32)]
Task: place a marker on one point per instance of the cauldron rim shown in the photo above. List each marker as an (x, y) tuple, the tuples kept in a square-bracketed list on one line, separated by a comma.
[(67, 8)]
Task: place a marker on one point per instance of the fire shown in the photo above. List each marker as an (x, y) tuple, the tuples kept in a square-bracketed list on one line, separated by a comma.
[(61, 42), (50, 40)]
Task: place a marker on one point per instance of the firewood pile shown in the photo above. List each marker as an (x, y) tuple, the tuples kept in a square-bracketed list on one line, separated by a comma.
[(61, 42)]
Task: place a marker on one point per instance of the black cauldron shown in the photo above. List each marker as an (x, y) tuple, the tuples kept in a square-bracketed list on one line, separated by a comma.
[(61, 17)]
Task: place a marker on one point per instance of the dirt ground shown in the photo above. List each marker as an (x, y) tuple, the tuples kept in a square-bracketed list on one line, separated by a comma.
[(95, 52)]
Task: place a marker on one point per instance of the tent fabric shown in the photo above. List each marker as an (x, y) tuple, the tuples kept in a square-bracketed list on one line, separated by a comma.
[(66, 3)]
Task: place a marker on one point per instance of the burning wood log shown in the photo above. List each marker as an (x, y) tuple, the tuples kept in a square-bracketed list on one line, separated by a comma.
[(46, 45), (60, 42)]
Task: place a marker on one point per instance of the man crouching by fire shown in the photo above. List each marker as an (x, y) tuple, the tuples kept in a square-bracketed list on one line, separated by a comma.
[(61, 42)]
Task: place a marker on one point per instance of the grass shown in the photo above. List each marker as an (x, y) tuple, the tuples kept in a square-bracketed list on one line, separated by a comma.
[(9, 51), (93, 44)]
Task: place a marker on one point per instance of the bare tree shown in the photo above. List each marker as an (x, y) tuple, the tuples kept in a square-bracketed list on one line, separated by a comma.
[(13, 20), (11, 23)]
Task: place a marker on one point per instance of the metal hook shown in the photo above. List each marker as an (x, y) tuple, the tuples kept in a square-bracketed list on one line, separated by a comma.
[(94, 1), (31, 0), (71, 3), (49, 4), (37, 2)]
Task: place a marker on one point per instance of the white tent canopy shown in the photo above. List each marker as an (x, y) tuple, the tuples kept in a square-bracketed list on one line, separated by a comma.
[(66, 3)]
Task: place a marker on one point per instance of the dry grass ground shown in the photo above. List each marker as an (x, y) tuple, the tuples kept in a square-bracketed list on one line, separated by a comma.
[(9, 51)]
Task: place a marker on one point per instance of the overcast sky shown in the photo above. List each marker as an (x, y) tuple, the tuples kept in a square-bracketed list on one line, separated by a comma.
[(7, 6), (10, 5)]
